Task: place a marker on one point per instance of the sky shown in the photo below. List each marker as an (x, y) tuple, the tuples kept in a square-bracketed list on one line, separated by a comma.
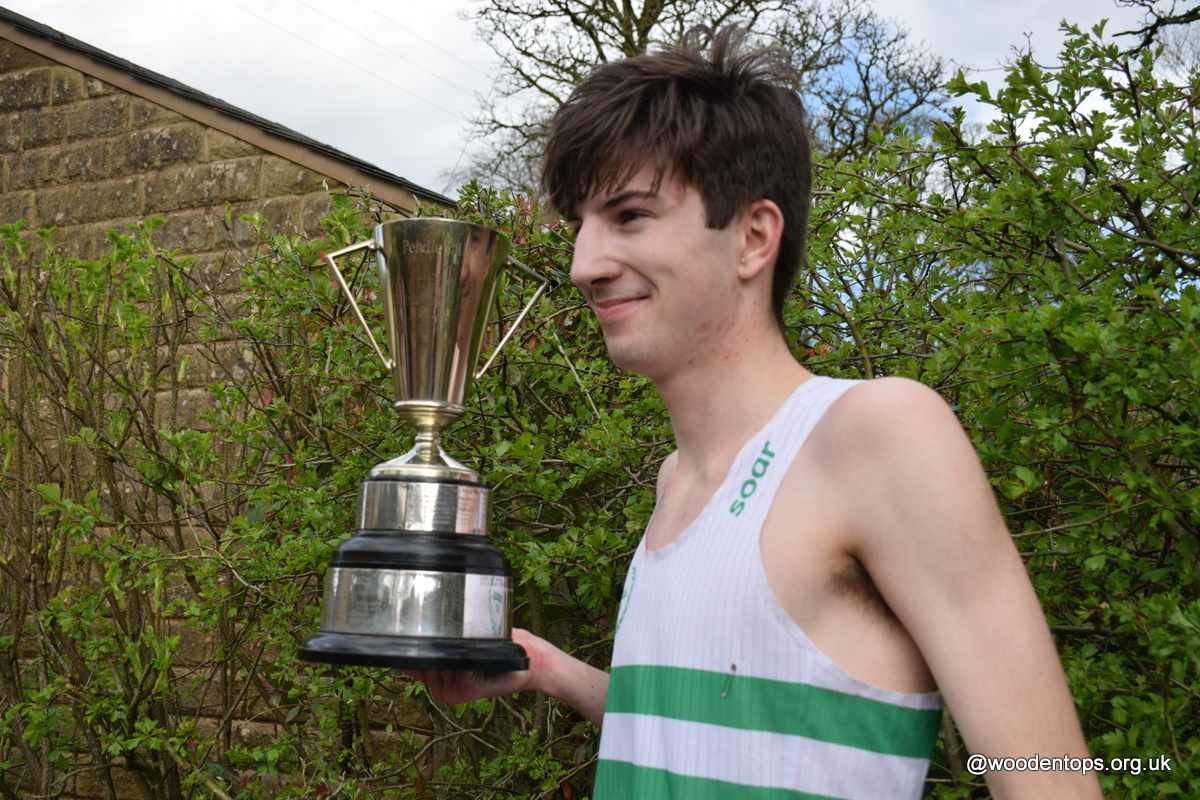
[(397, 82)]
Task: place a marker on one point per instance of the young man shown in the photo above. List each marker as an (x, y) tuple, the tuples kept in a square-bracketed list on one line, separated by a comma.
[(826, 562)]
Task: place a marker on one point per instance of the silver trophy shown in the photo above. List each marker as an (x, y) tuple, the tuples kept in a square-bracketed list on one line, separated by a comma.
[(419, 585)]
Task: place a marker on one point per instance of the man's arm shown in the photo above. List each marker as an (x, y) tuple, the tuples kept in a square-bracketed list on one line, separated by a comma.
[(928, 531)]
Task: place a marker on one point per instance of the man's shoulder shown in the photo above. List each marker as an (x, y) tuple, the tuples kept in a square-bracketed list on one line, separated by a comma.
[(879, 395), (881, 428), (877, 412)]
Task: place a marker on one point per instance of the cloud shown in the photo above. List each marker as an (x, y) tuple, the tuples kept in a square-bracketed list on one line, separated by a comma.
[(983, 36)]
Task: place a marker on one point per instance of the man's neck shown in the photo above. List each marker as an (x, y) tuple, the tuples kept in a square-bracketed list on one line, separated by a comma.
[(719, 402)]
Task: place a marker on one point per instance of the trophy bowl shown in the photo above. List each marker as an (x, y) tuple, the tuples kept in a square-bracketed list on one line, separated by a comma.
[(419, 585)]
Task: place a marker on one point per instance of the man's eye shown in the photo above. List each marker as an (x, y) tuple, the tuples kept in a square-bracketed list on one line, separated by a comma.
[(629, 215)]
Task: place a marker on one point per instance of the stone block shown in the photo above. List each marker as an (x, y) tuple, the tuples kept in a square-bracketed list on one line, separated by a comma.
[(10, 133), (14, 57), (73, 205), (222, 495), (187, 231), (219, 272), (80, 241), (37, 249), (202, 367), (200, 691), (282, 177), (30, 88), (234, 304), (195, 646), (202, 185), (394, 709), (98, 88), (66, 85), (178, 589), (146, 114), (221, 146), (44, 126), (254, 734), (282, 215), (207, 727), (15, 206), (156, 148), (192, 403), (83, 162), (103, 116), (89, 783), (97, 233), (314, 208), (28, 170)]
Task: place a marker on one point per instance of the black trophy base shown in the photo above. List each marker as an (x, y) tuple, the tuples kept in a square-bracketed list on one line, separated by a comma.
[(415, 652)]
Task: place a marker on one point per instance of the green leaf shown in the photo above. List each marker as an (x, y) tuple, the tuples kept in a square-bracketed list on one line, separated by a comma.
[(50, 492)]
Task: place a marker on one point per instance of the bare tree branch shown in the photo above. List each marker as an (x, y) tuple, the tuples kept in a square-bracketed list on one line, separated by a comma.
[(1157, 21), (858, 71)]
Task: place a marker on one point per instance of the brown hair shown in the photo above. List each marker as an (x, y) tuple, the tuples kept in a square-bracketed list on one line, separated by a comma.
[(724, 123)]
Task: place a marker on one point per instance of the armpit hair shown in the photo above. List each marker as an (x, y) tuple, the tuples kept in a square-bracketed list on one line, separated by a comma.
[(855, 583)]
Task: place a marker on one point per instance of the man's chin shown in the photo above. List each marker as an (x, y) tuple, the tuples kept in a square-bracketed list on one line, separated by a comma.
[(633, 359)]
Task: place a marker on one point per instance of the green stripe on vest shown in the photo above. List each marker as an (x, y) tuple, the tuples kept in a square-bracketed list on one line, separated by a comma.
[(759, 704), (647, 782)]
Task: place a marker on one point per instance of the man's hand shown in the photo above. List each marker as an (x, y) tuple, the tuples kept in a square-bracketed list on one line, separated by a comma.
[(455, 687), (551, 671)]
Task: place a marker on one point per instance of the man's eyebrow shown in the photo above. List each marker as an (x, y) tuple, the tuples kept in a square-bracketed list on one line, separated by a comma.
[(618, 199)]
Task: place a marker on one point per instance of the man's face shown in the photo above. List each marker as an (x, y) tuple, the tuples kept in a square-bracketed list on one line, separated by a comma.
[(662, 283)]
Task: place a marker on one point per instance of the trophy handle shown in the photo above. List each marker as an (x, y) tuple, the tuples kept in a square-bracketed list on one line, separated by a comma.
[(545, 282), (369, 244)]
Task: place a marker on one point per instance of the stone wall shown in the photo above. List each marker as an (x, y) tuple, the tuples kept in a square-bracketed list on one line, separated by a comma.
[(83, 156)]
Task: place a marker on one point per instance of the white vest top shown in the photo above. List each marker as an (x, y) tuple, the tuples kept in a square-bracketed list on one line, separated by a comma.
[(716, 693)]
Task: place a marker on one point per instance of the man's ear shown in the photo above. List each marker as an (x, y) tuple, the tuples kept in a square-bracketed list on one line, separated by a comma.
[(762, 228)]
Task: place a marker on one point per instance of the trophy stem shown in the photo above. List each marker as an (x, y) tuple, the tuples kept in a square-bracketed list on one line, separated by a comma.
[(428, 445), (427, 460)]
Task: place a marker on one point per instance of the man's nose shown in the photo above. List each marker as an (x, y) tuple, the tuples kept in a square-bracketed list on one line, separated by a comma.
[(590, 262)]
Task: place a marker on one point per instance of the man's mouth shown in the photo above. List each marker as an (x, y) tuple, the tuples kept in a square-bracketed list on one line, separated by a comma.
[(610, 306)]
